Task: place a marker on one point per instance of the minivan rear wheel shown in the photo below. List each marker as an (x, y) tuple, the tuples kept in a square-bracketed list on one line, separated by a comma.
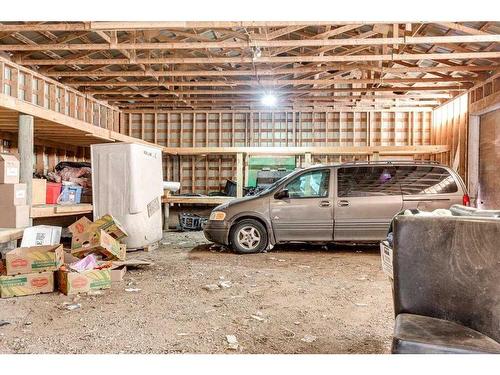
[(248, 236)]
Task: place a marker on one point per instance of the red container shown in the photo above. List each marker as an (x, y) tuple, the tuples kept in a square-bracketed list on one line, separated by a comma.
[(53, 191)]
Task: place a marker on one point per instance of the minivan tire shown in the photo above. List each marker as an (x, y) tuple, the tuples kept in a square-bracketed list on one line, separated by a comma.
[(245, 234)]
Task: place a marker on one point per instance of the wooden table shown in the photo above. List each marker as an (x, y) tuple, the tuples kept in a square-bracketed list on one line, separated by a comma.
[(54, 210)]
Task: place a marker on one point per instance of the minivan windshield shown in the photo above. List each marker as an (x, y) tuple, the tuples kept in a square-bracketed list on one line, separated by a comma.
[(278, 182)]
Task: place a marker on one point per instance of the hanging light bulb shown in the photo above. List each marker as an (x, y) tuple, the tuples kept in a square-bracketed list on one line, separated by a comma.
[(269, 99)]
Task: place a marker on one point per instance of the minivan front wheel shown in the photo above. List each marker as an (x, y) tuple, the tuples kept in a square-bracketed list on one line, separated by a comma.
[(249, 236)]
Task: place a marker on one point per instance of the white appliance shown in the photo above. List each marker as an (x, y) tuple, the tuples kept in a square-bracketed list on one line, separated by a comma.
[(127, 182)]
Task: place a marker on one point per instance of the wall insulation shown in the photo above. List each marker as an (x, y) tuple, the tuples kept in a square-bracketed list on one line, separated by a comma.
[(203, 174)]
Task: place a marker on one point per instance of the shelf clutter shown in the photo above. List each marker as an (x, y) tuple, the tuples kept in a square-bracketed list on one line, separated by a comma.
[(15, 211)]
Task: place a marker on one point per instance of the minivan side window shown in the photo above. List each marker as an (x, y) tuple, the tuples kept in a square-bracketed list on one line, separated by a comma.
[(312, 184), (417, 180), (367, 181)]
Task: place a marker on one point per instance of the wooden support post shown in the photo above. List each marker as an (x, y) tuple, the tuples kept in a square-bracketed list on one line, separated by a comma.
[(25, 146), (239, 175), (473, 158), (156, 128), (247, 161), (166, 215), (307, 160)]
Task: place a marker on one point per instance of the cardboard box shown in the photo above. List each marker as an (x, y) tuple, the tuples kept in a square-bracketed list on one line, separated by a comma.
[(386, 258), (80, 226), (12, 194), (14, 216), (39, 191), (69, 282), (23, 260), (41, 235), (27, 284), (117, 273), (111, 226), (98, 242), (9, 169)]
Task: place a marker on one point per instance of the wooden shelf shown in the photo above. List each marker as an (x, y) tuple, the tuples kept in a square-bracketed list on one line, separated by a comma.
[(313, 150), (182, 199), (54, 210), (10, 234)]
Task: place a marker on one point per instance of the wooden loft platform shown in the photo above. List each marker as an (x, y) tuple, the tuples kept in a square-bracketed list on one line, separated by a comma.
[(62, 116)]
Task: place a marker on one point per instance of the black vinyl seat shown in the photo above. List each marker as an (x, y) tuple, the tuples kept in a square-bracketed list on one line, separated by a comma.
[(417, 334), (446, 284)]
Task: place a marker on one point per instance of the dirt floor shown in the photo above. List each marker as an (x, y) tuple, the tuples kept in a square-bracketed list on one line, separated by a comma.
[(294, 299)]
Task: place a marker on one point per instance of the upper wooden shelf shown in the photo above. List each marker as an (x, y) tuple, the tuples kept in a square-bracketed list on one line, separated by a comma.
[(339, 150)]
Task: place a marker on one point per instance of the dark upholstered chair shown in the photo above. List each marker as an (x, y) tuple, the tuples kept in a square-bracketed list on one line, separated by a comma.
[(446, 284)]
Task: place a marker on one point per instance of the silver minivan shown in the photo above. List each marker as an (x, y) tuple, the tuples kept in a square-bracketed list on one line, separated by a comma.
[(346, 202)]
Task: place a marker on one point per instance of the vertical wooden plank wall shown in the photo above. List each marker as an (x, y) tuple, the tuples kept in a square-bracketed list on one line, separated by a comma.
[(203, 174), (46, 156), (449, 127)]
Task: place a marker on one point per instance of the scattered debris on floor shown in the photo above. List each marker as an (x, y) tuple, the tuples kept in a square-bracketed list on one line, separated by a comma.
[(232, 342), (211, 287), (309, 338), (265, 310), (71, 306), (224, 284), (4, 323), (132, 290), (258, 316)]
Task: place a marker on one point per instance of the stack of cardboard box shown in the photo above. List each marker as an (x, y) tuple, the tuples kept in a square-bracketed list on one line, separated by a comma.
[(30, 270), (100, 238), (15, 213)]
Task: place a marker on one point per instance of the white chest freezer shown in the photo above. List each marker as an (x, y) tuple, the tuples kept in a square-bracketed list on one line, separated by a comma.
[(127, 182)]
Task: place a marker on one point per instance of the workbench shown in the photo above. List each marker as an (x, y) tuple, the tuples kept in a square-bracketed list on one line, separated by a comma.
[(168, 199)]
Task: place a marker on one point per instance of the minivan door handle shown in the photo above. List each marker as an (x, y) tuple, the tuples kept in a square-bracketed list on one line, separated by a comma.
[(324, 204), (343, 203)]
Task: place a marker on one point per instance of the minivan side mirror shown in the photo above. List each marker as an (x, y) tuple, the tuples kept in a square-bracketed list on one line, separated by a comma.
[(281, 194)]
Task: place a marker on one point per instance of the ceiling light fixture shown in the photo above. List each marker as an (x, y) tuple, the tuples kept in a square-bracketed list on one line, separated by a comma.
[(269, 99)]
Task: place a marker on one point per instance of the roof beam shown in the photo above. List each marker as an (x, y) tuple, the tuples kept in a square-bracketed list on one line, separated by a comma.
[(129, 25), (274, 59), (273, 82), (383, 96), (483, 38), (284, 91), (264, 72)]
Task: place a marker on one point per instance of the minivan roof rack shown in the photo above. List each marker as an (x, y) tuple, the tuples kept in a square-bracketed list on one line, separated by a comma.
[(388, 162)]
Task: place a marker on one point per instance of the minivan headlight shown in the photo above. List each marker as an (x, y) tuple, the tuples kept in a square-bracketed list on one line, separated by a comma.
[(217, 215)]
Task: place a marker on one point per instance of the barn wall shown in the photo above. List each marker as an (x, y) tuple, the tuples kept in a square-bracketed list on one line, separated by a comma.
[(449, 127), (202, 174), (46, 156)]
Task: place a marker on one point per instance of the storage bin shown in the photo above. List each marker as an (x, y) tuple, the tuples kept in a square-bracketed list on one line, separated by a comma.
[(53, 191), (71, 194)]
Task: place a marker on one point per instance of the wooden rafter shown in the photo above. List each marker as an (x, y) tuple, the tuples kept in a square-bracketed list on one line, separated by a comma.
[(193, 63)]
